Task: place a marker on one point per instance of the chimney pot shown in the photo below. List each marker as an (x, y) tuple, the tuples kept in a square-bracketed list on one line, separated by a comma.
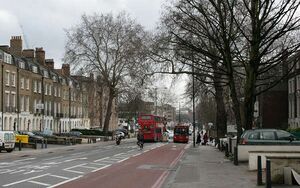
[(16, 46), (40, 56), (28, 53), (50, 63)]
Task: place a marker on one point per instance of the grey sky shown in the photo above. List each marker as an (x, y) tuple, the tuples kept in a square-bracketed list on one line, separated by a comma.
[(44, 21)]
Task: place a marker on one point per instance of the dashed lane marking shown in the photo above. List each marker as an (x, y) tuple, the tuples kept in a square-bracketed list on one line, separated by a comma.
[(101, 159), (21, 160), (75, 171), (102, 168), (52, 158)]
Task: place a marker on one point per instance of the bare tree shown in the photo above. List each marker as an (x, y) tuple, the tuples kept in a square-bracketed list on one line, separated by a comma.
[(242, 43), (112, 48)]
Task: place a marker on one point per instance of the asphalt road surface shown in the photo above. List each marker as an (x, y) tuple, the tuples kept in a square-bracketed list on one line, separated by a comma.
[(94, 165)]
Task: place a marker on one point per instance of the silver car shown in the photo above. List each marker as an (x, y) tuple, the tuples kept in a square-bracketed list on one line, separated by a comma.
[(268, 137)]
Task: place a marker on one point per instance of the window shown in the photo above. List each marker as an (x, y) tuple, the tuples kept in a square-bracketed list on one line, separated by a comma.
[(13, 79), (22, 83), (267, 135), (27, 103), (22, 103), (46, 89), (34, 69), (40, 87), (282, 135), (7, 98), (27, 83), (7, 58), (55, 91), (7, 78), (13, 99), (253, 136), (50, 90), (21, 65), (35, 86)]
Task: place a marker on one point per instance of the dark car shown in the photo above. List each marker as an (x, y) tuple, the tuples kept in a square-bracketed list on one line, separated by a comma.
[(268, 137), (32, 137)]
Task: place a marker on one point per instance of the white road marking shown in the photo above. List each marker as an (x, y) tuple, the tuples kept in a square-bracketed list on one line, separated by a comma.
[(136, 154), (74, 171), (4, 171), (79, 153), (24, 180), (79, 172), (89, 167), (17, 171), (119, 154), (123, 159), (131, 150), (49, 159), (101, 159), (69, 160), (98, 164), (39, 183), (64, 182), (23, 160), (101, 168), (62, 177)]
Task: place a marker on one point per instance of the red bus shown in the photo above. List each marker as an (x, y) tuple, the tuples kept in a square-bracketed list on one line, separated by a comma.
[(181, 133), (152, 127)]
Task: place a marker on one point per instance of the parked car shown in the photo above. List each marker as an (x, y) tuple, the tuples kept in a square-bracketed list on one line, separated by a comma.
[(71, 134), (32, 137), (268, 137)]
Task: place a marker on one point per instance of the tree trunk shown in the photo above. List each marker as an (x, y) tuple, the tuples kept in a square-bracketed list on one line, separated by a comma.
[(108, 111), (249, 100), (221, 116)]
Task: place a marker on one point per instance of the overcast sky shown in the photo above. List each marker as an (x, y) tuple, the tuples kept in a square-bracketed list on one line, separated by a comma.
[(44, 21)]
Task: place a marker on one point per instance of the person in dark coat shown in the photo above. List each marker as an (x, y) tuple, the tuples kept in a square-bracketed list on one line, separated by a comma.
[(205, 139), (198, 138)]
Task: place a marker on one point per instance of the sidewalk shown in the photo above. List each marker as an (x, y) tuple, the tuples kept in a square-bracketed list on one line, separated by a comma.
[(206, 167)]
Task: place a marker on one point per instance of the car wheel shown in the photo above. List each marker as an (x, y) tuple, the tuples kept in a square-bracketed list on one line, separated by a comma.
[(9, 150)]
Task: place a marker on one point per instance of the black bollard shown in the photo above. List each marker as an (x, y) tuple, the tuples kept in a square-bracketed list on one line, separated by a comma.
[(46, 143), (230, 145), (35, 144), (42, 142), (20, 145), (226, 150), (259, 171), (235, 156), (268, 174)]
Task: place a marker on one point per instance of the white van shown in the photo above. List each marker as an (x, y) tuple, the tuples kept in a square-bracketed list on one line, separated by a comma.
[(7, 140)]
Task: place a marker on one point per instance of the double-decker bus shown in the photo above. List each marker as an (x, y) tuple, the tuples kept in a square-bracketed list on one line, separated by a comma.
[(181, 133), (152, 127)]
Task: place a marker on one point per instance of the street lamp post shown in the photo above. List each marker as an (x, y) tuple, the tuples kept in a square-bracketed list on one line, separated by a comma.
[(194, 143)]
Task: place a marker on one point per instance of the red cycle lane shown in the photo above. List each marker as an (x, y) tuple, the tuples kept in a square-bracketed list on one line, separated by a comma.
[(148, 170)]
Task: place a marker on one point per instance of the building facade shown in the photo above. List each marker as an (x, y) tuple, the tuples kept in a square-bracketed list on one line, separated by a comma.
[(35, 96)]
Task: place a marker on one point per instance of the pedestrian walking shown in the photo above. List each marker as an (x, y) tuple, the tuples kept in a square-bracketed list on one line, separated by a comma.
[(205, 138), (198, 138)]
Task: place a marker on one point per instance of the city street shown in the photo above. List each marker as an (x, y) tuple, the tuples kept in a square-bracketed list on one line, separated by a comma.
[(88, 165)]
